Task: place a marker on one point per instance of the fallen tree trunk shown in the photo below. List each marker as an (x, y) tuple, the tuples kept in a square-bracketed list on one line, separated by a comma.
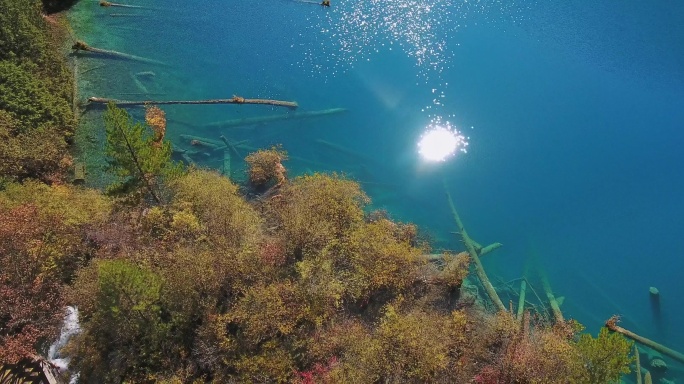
[(108, 4), (612, 325), (231, 148), (521, 299), (202, 141), (233, 100), (81, 46), (470, 246), (638, 365), (555, 308), (342, 150), (268, 119)]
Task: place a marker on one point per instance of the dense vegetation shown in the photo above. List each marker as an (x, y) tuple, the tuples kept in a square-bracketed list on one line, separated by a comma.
[(36, 119), (179, 278)]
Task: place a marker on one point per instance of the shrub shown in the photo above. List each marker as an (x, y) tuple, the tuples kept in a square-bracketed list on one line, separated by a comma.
[(265, 165), (30, 296), (606, 357), (214, 200), (36, 153), (30, 100), (318, 209), (124, 334)]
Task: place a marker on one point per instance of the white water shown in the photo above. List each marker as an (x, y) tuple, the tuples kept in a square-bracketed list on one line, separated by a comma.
[(70, 327)]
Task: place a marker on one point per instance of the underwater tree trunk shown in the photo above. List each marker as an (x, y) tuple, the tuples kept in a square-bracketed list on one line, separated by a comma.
[(109, 4), (521, 299), (230, 147), (638, 365), (81, 46), (268, 119), (555, 308), (612, 325), (233, 100), (202, 141), (74, 92), (647, 378), (226, 163), (470, 246)]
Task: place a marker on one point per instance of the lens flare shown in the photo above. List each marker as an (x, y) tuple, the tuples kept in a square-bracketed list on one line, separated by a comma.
[(440, 142)]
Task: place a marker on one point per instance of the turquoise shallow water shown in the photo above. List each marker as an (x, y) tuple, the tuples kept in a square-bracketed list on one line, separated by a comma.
[(573, 113)]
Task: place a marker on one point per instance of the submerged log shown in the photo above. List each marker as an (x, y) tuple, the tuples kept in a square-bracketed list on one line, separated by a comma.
[(202, 141), (226, 163), (268, 119), (638, 365), (81, 46), (109, 4), (233, 100), (612, 325), (470, 246), (230, 147), (342, 150), (521, 299), (491, 247), (74, 91), (555, 307)]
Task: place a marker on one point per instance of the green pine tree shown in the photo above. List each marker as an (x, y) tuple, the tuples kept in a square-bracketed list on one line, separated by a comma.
[(135, 156)]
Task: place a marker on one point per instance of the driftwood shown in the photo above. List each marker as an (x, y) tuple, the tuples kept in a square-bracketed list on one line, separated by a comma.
[(81, 46), (268, 119), (233, 100), (470, 246), (612, 325), (324, 3)]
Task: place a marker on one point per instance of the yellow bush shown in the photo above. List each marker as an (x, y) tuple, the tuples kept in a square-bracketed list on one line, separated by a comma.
[(316, 209), (74, 204), (214, 200), (379, 260), (185, 222)]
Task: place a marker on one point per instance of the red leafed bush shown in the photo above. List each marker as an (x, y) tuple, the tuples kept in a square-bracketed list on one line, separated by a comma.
[(30, 296)]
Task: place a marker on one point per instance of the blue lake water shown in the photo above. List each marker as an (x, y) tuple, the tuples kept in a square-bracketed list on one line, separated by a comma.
[(573, 112)]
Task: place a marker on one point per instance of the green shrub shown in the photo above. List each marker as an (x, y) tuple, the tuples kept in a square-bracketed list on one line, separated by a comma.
[(605, 357), (124, 334), (30, 100)]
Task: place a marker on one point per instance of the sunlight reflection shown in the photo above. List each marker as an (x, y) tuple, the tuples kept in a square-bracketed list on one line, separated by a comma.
[(441, 141)]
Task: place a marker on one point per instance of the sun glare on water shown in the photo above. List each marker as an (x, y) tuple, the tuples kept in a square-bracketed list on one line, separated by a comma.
[(440, 142)]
